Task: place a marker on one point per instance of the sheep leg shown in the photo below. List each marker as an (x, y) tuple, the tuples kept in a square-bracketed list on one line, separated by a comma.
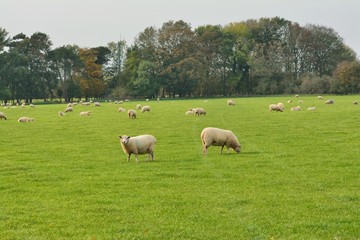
[(128, 157), (136, 157), (222, 147), (205, 149), (152, 155)]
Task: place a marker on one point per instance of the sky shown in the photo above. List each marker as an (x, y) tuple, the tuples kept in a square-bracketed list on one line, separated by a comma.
[(93, 23)]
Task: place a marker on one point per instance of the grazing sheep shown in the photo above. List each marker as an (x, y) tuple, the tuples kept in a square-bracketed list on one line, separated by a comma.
[(121, 109), (26, 119), (330, 101), (320, 97), (69, 105), (23, 105), (97, 104), (145, 108), (219, 137), (311, 108), (2, 116), (138, 106), (300, 101), (297, 95), (276, 108), (289, 101), (131, 113), (190, 112), (32, 105), (230, 102), (141, 144), (86, 113), (61, 114), (355, 102), (68, 109), (297, 108), (200, 111)]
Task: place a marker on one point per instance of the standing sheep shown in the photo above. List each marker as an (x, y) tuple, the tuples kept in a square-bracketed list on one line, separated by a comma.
[(141, 144), (131, 113), (121, 109), (61, 114), (200, 111), (330, 101), (26, 119), (68, 109), (276, 107), (219, 137), (138, 107), (230, 102), (97, 104), (145, 108), (2, 116)]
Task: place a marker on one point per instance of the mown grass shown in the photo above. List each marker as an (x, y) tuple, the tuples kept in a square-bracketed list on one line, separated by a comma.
[(296, 178)]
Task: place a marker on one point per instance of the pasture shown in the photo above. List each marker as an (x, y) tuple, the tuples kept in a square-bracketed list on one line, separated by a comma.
[(297, 177)]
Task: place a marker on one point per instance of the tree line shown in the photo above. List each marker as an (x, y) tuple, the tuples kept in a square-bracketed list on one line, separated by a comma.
[(253, 57)]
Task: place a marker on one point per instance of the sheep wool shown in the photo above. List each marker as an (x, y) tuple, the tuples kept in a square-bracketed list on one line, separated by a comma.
[(211, 136), (276, 107), (2, 116), (86, 113), (141, 144), (132, 113), (200, 111), (230, 102), (121, 109), (26, 119), (145, 108)]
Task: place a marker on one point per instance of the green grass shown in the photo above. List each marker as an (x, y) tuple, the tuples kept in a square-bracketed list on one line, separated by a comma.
[(296, 178)]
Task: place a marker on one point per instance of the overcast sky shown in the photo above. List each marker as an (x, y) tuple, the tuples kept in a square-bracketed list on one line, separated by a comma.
[(93, 23)]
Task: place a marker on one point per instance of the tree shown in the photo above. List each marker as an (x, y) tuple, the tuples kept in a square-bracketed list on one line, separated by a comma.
[(348, 75)]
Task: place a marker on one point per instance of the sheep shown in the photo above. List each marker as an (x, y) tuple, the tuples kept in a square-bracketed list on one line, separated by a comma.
[(211, 136), (320, 97), (300, 101), (121, 109), (330, 101), (355, 102), (190, 112), (69, 105), (68, 109), (141, 144), (32, 105), (2, 116), (138, 106), (297, 108), (296, 95), (230, 102), (289, 101), (131, 113), (97, 104), (311, 108), (26, 119), (61, 114), (86, 113), (145, 108), (276, 107), (200, 111)]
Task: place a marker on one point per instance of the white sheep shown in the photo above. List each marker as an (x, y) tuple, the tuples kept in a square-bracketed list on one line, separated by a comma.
[(86, 113), (200, 111), (138, 106), (97, 104), (121, 109), (131, 113), (311, 108), (276, 108), (145, 108), (68, 109), (2, 116), (32, 105), (69, 105), (190, 112), (320, 97), (297, 108), (355, 102), (219, 137), (26, 119), (230, 102), (61, 114), (330, 101), (141, 144), (289, 101)]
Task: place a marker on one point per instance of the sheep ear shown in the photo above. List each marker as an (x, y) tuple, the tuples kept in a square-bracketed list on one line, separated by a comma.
[(128, 137), (120, 137)]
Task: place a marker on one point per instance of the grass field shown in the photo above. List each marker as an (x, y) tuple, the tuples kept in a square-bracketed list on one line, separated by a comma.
[(297, 177)]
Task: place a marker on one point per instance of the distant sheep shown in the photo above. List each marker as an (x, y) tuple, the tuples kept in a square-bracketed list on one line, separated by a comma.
[(355, 102), (138, 145), (145, 108), (289, 101), (297, 108), (311, 108), (200, 111), (300, 101), (138, 107), (330, 101), (121, 109), (32, 105), (68, 109), (26, 119), (61, 114), (2, 116), (190, 112), (97, 104), (219, 137), (296, 95), (320, 97), (230, 102), (86, 113), (276, 108), (131, 113)]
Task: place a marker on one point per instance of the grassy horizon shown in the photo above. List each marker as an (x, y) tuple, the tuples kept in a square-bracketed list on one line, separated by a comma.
[(297, 176)]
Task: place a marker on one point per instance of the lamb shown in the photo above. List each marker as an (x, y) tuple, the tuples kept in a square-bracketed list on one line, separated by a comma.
[(2, 116), (141, 144), (121, 109), (131, 113), (297, 108), (276, 107), (86, 113), (145, 108), (200, 111), (330, 101), (138, 106), (61, 114), (219, 137), (68, 109), (26, 119), (230, 102)]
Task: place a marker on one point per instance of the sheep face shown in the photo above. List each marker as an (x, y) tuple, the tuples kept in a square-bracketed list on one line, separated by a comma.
[(237, 149), (124, 139)]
